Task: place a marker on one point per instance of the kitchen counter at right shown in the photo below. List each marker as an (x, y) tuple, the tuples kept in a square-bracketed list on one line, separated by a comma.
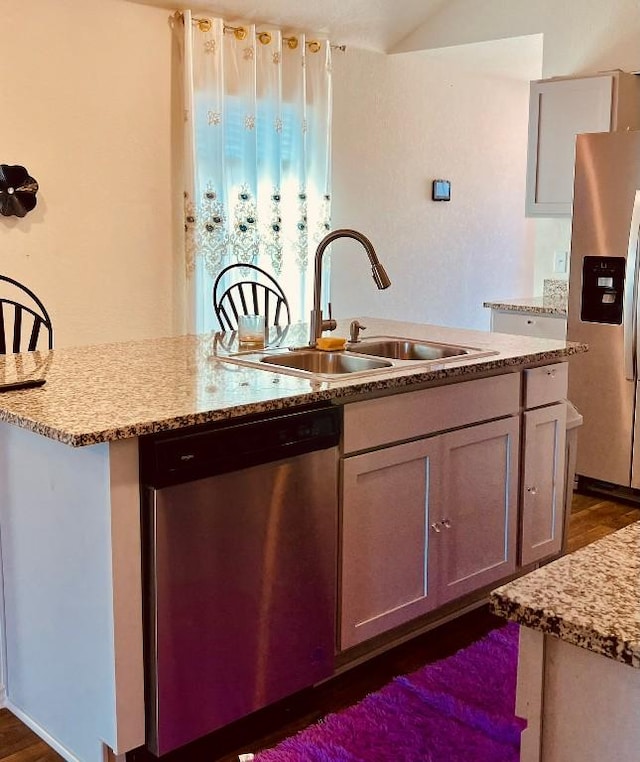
[(589, 598), (578, 684), (552, 302)]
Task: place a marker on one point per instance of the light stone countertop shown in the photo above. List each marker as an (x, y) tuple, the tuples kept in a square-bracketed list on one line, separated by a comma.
[(114, 391), (535, 305), (553, 301), (589, 598)]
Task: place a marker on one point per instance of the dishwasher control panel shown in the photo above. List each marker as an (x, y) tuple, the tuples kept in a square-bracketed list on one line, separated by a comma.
[(175, 457)]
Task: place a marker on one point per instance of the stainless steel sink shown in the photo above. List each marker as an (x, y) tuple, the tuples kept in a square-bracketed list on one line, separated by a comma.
[(376, 354), (409, 349), (330, 363)]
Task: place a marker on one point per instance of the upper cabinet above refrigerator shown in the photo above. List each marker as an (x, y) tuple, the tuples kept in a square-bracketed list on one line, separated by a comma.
[(561, 108)]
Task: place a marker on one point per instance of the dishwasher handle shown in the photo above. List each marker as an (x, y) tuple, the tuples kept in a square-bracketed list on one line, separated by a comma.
[(173, 458)]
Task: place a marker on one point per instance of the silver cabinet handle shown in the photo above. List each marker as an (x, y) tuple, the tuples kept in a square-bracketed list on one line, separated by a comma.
[(551, 373), (532, 490), (436, 527), (446, 523)]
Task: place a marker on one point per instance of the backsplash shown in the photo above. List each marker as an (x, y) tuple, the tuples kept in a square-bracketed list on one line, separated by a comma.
[(555, 292)]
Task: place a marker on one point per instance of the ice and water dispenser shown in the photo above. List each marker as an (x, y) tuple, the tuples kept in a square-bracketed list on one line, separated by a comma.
[(602, 289)]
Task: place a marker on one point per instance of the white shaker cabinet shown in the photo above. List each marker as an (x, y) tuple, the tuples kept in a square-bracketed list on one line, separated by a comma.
[(432, 519), (543, 461), (386, 509), (446, 491), (424, 523), (475, 542), (561, 108)]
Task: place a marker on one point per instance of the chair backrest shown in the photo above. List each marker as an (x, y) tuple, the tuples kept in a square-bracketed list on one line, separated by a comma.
[(22, 318), (254, 293)]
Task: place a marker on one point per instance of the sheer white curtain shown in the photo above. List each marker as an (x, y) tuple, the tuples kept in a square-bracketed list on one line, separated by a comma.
[(258, 144)]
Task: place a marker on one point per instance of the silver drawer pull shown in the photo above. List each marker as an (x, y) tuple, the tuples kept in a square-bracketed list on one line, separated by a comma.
[(532, 490), (436, 527), (551, 373), (446, 523)]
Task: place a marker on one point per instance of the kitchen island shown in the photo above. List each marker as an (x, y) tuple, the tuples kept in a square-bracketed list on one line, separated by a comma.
[(70, 495), (579, 659)]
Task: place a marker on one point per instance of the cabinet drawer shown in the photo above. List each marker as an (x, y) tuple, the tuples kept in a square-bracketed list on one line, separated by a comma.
[(529, 324), (545, 385), (400, 417)]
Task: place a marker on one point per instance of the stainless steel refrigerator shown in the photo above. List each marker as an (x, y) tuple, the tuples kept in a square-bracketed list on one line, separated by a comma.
[(603, 305)]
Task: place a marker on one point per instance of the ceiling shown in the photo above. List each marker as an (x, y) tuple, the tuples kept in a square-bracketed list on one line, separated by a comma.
[(372, 24)]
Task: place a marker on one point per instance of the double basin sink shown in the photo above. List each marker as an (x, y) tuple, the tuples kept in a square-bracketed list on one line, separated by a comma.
[(371, 355)]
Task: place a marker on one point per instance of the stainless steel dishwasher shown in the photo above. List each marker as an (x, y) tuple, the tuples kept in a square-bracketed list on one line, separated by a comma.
[(240, 556)]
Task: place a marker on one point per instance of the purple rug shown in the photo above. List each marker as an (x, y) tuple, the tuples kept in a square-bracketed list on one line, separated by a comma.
[(460, 709)]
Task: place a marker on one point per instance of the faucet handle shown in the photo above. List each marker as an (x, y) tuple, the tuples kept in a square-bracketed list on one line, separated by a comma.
[(328, 324), (354, 331)]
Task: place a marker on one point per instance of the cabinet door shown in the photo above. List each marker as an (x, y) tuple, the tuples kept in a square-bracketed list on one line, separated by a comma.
[(386, 508), (558, 111), (543, 482), (475, 535)]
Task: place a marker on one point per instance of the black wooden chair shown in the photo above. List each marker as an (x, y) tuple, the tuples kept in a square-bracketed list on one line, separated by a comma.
[(248, 290), (23, 318)]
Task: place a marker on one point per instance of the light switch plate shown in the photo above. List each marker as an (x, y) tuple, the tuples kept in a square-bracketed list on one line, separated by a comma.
[(560, 262)]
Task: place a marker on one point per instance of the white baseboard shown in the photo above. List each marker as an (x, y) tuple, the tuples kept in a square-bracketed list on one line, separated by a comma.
[(62, 751)]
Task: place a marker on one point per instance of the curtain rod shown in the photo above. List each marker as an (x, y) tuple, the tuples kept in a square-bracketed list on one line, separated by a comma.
[(240, 33)]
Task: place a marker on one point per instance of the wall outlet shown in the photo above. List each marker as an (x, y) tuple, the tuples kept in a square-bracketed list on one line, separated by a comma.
[(560, 261)]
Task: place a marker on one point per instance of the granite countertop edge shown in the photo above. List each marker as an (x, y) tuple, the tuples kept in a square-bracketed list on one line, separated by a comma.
[(84, 438), (589, 598), (532, 306), (545, 621), (100, 436), (125, 399)]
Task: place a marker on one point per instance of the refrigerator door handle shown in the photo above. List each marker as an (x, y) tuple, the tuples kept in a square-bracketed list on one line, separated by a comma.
[(630, 318)]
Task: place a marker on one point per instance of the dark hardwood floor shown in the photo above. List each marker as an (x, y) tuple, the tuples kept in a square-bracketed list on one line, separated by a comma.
[(592, 517)]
